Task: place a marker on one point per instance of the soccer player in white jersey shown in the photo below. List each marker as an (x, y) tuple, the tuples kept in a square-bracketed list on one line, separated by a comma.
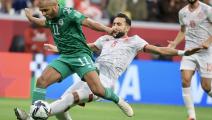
[(196, 26), (117, 52)]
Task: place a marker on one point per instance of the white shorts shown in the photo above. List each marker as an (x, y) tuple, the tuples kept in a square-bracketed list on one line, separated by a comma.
[(199, 61), (83, 87)]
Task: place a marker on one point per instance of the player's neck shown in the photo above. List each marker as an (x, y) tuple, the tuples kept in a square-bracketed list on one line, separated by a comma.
[(193, 7)]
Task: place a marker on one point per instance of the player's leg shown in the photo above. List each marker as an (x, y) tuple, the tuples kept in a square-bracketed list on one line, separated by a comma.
[(48, 77), (207, 85), (188, 66), (186, 92), (78, 93), (97, 88), (206, 73)]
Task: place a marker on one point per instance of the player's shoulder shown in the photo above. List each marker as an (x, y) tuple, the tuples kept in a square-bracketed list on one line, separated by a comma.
[(66, 10), (107, 37), (183, 9), (205, 7), (137, 38)]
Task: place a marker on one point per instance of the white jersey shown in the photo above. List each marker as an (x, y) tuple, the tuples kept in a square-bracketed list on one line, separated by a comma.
[(117, 54), (198, 24)]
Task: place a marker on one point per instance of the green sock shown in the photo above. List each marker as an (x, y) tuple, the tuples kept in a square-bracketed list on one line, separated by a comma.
[(38, 94), (110, 95)]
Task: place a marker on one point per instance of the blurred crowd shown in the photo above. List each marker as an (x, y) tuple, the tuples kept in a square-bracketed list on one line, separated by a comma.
[(140, 10)]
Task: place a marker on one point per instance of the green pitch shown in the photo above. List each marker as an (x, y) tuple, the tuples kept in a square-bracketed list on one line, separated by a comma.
[(108, 111)]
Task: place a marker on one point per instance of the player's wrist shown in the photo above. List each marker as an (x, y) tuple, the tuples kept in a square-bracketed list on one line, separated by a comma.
[(181, 52)]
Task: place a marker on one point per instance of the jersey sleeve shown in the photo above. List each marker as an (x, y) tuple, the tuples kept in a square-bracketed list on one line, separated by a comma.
[(74, 15), (180, 14), (100, 41), (209, 13), (139, 43)]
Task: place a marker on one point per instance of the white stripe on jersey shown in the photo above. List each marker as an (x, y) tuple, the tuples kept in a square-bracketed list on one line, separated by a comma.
[(117, 54), (198, 24)]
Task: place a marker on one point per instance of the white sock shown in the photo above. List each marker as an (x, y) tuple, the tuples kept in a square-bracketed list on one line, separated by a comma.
[(63, 116), (62, 104), (188, 101)]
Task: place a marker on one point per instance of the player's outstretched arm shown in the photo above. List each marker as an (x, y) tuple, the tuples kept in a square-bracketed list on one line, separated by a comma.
[(178, 39), (170, 51), (96, 26), (93, 47), (38, 21), (51, 48)]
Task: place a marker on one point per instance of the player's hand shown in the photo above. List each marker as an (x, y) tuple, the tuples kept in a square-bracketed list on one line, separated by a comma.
[(28, 13), (192, 51), (111, 31), (172, 44), (206, 44), (51, 48)]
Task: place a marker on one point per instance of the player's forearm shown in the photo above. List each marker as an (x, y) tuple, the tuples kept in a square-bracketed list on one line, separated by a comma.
[(179, 38), (38, 21), (96, 26), (167, 51)]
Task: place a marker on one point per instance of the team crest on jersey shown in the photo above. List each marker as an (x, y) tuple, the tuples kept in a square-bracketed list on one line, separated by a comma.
[(67, 10), (60, 22)]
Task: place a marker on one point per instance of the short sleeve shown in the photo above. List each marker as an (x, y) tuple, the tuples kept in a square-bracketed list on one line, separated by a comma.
[(139, 43), (100, 41), (209, 13), (180, 16), (74, 15)]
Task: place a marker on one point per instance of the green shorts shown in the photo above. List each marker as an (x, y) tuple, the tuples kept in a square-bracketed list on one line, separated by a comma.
[(69, 64)]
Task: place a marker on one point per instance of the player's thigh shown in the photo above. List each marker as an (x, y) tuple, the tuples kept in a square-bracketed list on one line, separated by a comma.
[(205, 68), (206, 84), (61, 70), (205, 65), (83, 64), (187, 67)]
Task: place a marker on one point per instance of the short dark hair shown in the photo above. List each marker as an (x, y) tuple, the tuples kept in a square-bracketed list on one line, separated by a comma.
[(122, 15)]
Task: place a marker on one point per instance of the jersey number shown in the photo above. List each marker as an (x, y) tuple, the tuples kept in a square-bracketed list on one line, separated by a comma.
[(84, 61), (55, 29)]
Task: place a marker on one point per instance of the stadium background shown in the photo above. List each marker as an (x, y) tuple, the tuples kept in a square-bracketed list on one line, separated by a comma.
[(151, 84)]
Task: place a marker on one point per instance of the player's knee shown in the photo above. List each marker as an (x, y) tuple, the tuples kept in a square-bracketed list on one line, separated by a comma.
[(41, 82), (186, 82), (206, 87)]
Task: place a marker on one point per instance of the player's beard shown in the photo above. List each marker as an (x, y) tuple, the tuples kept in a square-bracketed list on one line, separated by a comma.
[(191, 1), (119, 35)]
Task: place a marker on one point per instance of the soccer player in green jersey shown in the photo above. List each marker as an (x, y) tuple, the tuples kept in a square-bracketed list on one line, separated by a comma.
[(75, 56)]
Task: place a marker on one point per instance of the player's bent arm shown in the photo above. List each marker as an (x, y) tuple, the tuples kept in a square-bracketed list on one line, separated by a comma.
[(179, 38), (51, 48), (93, 47), (38, 21), (169, 51), (95, 25), (160, 50)]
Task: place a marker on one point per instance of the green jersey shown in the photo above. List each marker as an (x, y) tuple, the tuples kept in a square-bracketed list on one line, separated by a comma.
[(66, 29)]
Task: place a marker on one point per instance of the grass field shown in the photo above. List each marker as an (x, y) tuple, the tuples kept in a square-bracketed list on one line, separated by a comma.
[(108, 111)]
